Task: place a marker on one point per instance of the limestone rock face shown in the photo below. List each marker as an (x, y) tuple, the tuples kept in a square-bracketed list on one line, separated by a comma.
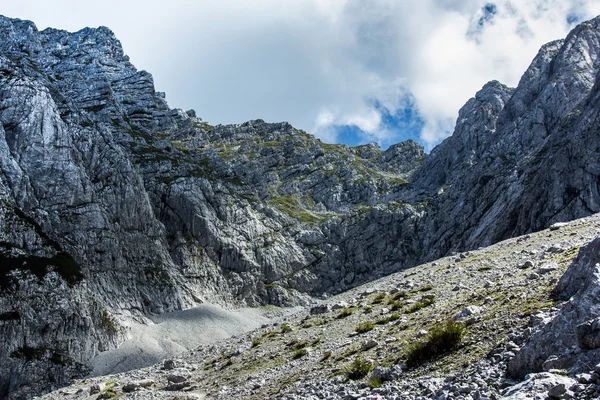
[(502, 173), (571, 339), (114, 206)]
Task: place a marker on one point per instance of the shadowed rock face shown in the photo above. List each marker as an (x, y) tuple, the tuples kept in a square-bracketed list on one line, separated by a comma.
[(113, 205)]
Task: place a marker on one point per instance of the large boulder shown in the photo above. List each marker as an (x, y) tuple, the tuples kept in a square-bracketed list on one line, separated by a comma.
[(571, 340)]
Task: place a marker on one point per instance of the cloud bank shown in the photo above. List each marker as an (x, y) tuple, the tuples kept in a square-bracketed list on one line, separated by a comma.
[(345, 70)]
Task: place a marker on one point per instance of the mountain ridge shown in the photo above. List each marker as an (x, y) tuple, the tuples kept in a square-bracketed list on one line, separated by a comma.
[(160, 211)]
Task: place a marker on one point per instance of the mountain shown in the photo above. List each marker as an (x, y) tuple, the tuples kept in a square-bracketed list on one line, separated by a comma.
[(114, 207)]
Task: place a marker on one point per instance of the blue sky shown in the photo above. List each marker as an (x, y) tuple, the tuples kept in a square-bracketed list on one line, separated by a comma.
[(404, 123), (351, 71)]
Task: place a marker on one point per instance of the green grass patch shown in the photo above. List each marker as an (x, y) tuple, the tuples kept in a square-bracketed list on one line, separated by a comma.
[(378, 299), (394, 317), (299, 354), (358, 369), (326, 356), (346, 312), (269, 334), (292, 207), (419, 305), (397, 296), (298, 344), (364, 326), (179, 146), (272, 143), (438, 341), (389, 318), (374, 383)]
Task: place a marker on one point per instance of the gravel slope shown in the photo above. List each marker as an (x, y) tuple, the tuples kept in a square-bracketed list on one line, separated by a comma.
[(174, 333)]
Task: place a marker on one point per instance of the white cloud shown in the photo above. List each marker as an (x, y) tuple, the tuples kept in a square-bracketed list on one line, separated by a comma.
[(322, 63)]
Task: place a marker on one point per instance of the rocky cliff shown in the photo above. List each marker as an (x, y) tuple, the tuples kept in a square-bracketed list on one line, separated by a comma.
[(570, 341), (114, 206)]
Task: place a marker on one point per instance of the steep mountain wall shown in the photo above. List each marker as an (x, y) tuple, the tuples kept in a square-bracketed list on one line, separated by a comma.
[(522, 159), (114, 206)]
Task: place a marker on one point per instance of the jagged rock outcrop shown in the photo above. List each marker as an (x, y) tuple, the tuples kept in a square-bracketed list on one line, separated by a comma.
[(78, 229), (503, 171), (570, 340), (117, 206)]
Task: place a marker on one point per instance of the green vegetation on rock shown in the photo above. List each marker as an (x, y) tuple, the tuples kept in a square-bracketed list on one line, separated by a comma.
[(438, 341), (291, 206), (358, 369)]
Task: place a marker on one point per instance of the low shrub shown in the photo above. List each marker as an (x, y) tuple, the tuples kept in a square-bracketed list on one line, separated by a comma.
[(346, 312), (397, 305), (269, 334), (374, 382), (358, 369), (438, 341), (108, 322), (394, 317), (364, 326), (397, 296), (378, 298), (299, 353), (298, 344), (419, 305)]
